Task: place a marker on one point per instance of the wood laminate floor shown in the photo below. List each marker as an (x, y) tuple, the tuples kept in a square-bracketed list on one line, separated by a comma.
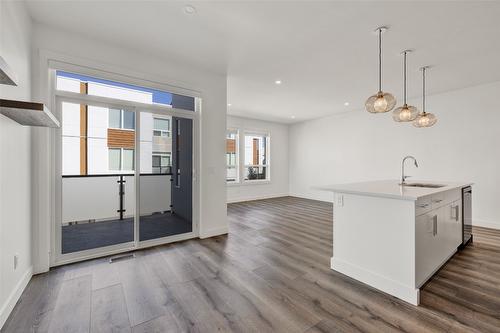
[(270, 274)]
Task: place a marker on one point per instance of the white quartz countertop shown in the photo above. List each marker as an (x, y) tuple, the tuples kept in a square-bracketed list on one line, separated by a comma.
[(392, 189)]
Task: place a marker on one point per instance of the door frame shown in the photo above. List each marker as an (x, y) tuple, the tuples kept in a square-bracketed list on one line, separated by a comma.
[(56, 257)]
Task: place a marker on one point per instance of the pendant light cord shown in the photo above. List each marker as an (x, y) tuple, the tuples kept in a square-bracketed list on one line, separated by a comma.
[(423, 90), (404, 79), (379, 59)]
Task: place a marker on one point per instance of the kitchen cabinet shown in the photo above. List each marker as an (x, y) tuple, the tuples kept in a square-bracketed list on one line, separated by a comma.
[(437, 233)]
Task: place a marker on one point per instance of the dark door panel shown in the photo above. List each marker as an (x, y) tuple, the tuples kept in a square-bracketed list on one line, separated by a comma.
[(182, 173)]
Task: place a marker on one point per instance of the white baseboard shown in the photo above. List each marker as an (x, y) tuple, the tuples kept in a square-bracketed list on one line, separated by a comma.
[(14, 296), (213, 232), (486, 224), (406, 293), (260, 197)]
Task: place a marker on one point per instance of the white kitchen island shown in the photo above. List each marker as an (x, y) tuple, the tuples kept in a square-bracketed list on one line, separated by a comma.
[(392, 237)]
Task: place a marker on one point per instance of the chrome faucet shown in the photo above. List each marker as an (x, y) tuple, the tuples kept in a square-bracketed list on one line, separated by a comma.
[(403, 177)]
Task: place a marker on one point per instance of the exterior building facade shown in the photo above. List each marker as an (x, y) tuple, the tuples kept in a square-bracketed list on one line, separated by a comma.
[(100, 140)]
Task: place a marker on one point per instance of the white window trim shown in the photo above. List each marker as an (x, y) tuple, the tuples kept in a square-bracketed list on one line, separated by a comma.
[(238, 161), (242, 132)]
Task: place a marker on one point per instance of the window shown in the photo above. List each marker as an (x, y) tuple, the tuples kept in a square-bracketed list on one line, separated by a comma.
[(121, 159), (115, 159), (161, 127), (88, 85), (256, 157), (162, 163), (232, 174), (128, 159), (121, 119)]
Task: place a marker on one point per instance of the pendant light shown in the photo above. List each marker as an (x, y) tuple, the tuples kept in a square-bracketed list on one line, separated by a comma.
[(424, 119), (380, 102), (406, 112)]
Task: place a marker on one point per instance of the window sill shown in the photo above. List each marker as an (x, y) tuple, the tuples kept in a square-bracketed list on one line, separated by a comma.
[(249, 182)]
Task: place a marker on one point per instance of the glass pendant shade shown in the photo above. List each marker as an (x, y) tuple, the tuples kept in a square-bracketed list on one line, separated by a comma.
[(380, 103), (405, 113), (425, 119)]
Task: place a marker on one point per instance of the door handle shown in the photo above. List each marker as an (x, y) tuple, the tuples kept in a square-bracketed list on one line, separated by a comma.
[(455, 212), (434, 225)]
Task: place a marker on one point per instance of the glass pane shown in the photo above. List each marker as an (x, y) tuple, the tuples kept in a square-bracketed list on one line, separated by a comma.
[(232, 174), (128, 120), (105, 88), (255, 150), (156, 161), (98, 206), (162, 206), (162, 124), (255, 173), (128, 159), (115, 159), (115, 119)]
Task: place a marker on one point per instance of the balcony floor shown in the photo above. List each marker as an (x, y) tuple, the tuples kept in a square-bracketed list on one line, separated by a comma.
[(79, 237)]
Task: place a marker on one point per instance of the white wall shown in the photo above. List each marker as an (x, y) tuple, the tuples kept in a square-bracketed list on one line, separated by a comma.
[(463, 145), (278, 185), (143, 66), (15, 163)]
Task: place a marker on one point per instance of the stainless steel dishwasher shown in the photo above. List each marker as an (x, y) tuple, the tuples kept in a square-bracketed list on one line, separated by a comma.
[(466, 215)]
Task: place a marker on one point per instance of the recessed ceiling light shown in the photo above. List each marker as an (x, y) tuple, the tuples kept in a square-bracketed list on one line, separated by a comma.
[(346, 103), (277, 81), (228, 104), (293, 117), (188, 9)]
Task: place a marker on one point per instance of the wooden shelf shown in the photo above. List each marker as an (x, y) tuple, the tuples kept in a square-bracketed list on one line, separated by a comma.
[(28, 113)]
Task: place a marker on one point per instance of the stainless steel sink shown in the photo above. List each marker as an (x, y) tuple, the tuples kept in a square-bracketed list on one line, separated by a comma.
[(424, 185)]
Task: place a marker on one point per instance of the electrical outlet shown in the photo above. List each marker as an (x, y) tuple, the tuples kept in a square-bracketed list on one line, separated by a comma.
[(16, 261), (340, 200)]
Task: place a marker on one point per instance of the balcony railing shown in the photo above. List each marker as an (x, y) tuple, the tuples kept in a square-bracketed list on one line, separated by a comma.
[(112, 196)]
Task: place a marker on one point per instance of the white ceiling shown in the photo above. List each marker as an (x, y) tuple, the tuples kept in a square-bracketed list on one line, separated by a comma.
[(324, 52)]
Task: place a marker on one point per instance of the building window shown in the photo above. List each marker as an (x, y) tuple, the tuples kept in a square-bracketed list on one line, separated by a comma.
[(115, 159), (121, 119), (162, 163), (232, 172), (161, 127), (256, 157), (121, 159)]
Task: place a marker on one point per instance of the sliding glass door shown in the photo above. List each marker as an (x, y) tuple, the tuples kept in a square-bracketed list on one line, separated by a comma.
[(125, 178)]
